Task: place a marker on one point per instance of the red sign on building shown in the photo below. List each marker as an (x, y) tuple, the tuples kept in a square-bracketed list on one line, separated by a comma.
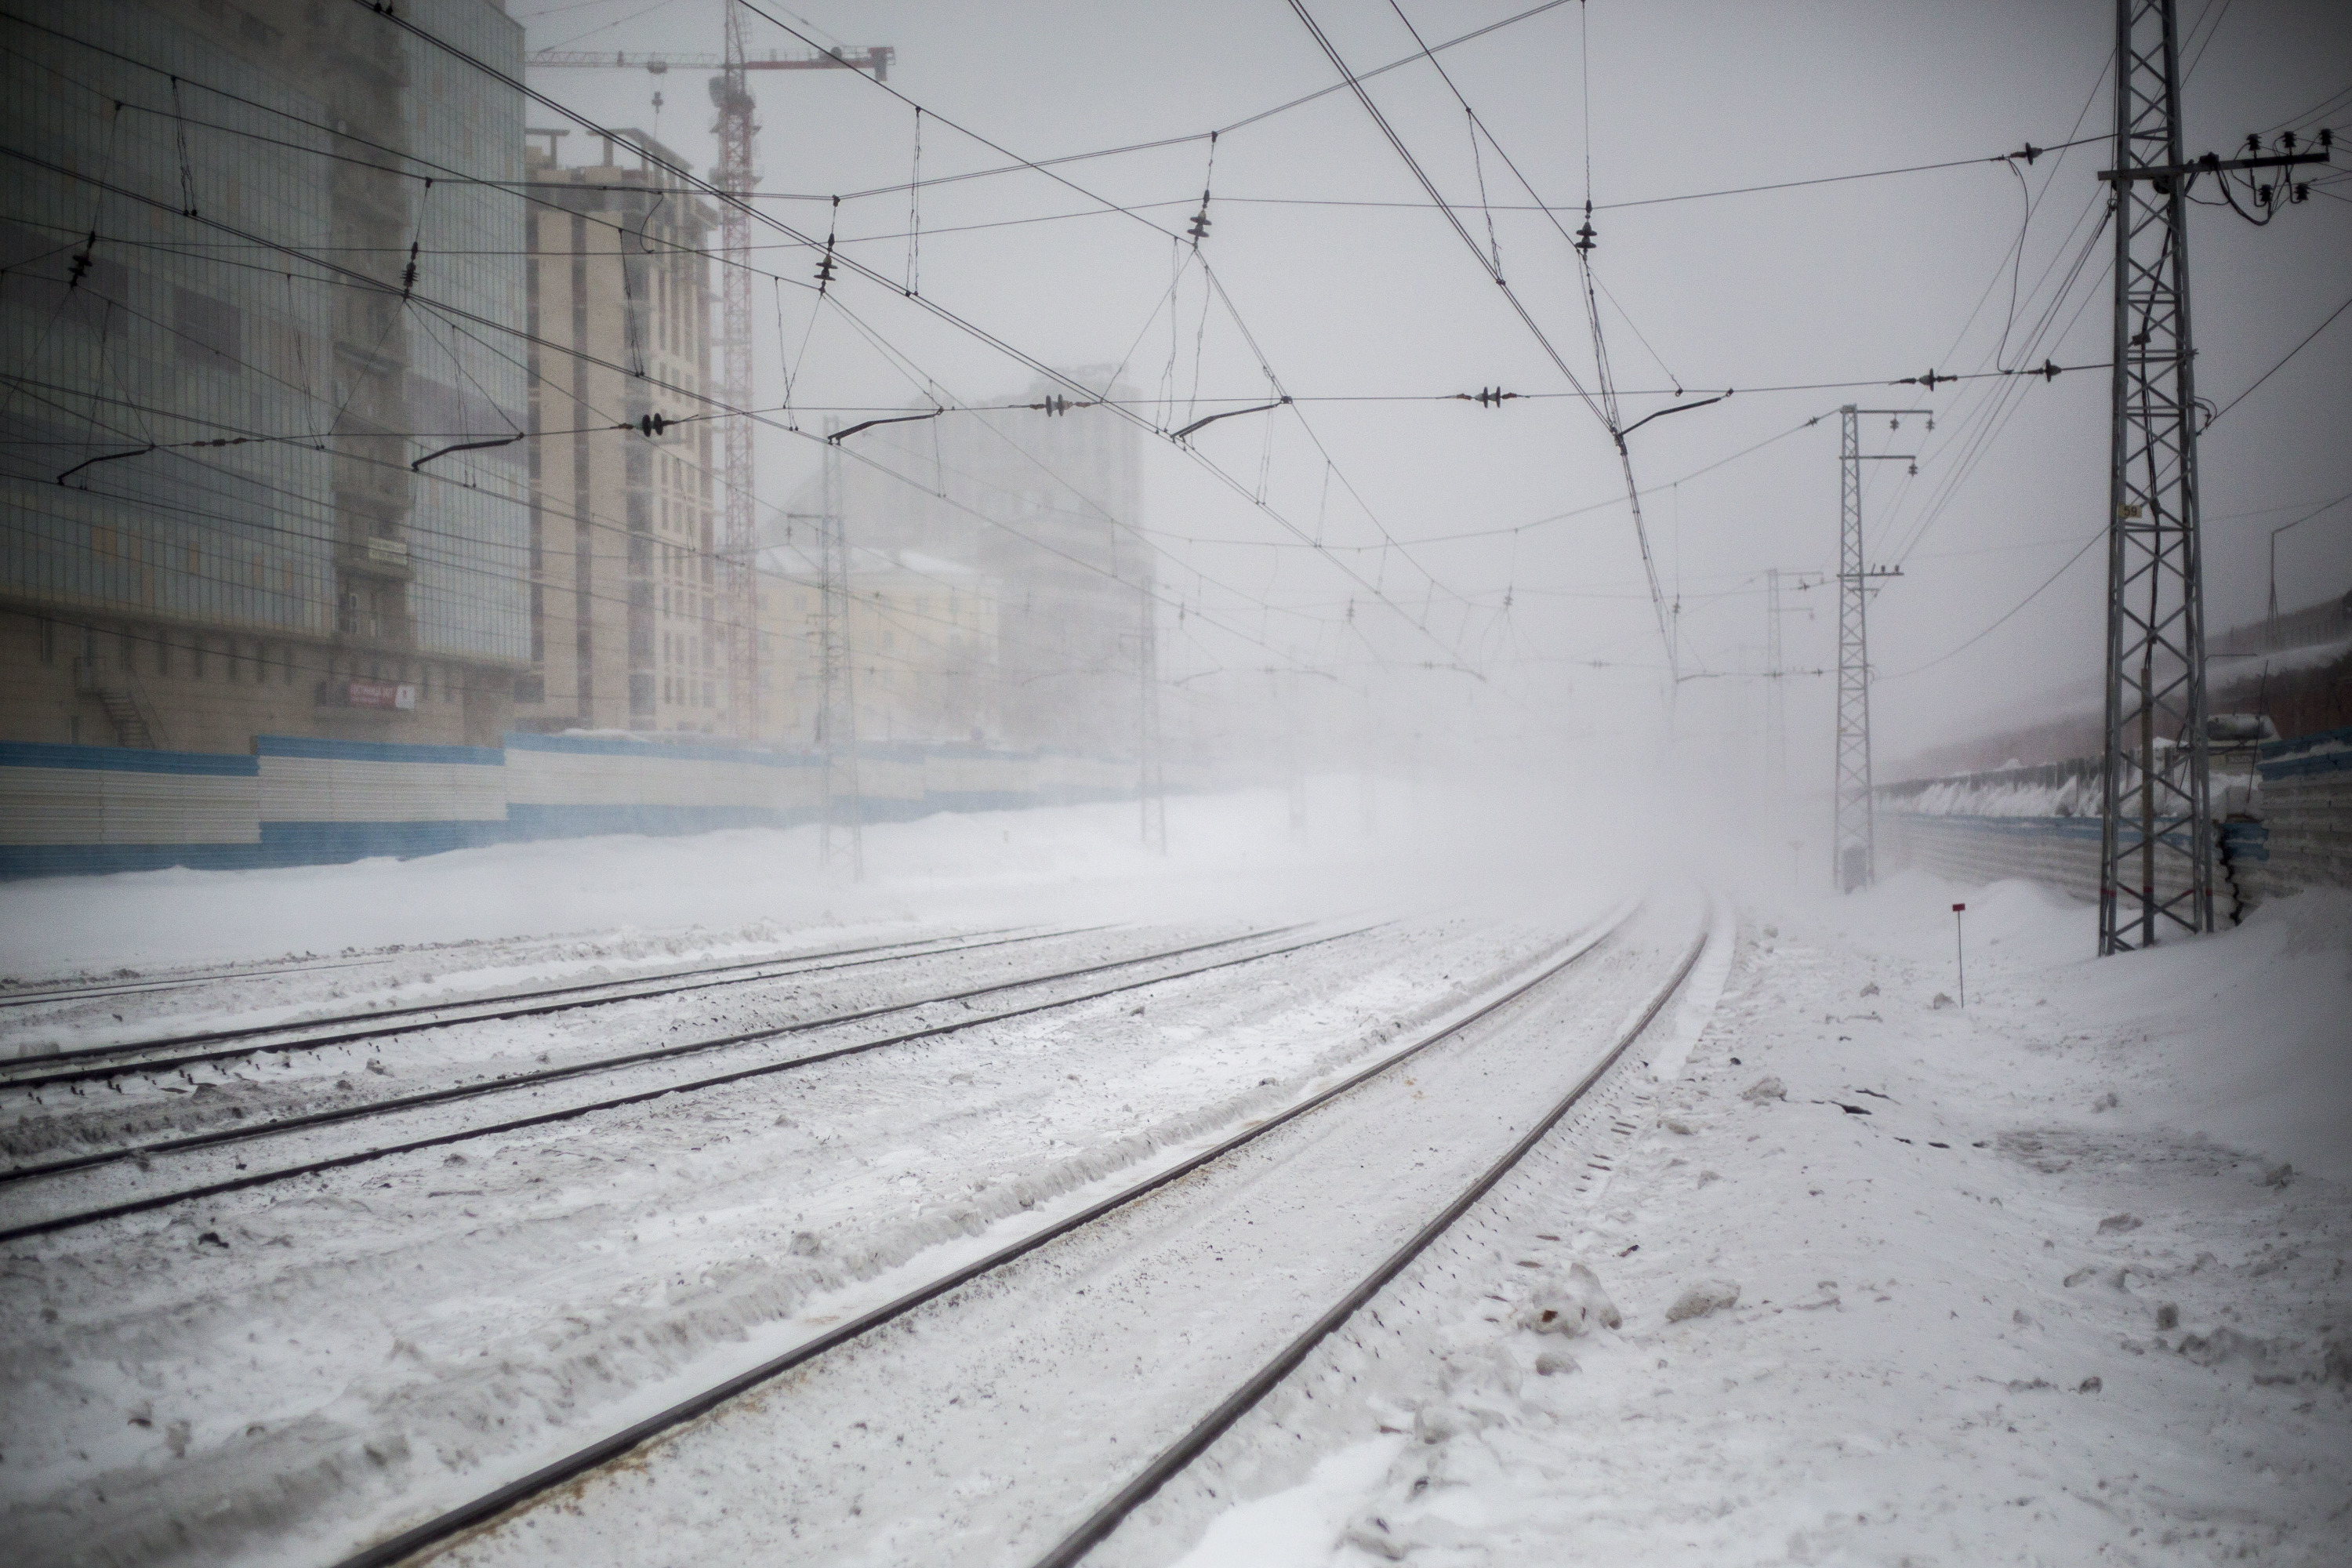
[(379, 694)]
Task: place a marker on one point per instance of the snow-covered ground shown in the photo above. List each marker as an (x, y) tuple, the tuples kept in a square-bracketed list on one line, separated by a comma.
[(2055, 1278), (2032, 1282)]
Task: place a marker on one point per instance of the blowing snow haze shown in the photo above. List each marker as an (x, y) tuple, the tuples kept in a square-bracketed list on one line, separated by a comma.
[(1278, 783)]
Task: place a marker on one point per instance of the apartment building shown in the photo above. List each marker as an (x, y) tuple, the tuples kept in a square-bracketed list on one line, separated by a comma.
[(1046, 506), (627, 616), (921, 645)]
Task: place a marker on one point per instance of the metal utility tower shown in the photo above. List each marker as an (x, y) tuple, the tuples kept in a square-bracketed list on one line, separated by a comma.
[(1854, 829), (2156, 819), (1152, 784), (736, 176), (837, 698)]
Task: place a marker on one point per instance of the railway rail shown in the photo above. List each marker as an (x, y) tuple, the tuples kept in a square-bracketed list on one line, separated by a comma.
[(145, 1153), (1180, 1454), (105, 1062), (12, 995), (516, 1497)]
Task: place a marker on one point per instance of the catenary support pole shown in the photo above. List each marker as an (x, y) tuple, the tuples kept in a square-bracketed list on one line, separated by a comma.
[(2156, 827), (1152, 782), (1853, 828), (844, 805)]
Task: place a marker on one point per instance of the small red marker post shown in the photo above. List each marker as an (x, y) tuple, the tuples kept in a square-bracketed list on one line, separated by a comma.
[(1960, 940)]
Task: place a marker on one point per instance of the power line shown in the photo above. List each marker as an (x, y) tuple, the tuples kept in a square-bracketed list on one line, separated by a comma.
[(1230, 481), (2282, 363)]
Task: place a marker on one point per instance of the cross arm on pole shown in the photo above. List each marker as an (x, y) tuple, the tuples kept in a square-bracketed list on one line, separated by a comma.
[(2211, 163)]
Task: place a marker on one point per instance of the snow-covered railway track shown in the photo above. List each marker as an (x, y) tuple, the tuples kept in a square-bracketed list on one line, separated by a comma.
[(506, 1524), (169, 1054), (12, 996), (1177, 1456), (21, 1218)]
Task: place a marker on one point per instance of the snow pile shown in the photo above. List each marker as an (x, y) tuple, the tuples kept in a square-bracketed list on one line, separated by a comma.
[(1390, 843), (1974, 796), (1978, 795), (1068, 864), (2245, 1038)]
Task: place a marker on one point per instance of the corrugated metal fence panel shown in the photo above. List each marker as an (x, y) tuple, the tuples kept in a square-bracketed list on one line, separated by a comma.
[(566, 785), (2308, 818), (309, 780), (102, 795), (2063, 852), (2328, 752), (892, 776), (67, 809), (960, 778)]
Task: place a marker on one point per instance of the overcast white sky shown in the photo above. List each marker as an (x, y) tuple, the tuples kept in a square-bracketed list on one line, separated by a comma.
[(1860, 281)]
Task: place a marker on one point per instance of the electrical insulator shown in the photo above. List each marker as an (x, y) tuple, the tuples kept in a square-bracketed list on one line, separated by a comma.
[(652, 425), (2261, 195), (825, 270), (1199, 225), (1587, 238), (2302, 190)]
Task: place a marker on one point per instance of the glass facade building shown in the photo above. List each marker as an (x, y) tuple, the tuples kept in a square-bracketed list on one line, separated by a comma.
[(263, 266)]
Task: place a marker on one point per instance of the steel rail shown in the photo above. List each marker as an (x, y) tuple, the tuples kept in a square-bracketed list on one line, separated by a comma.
[(1173, 1459), (809, 964), (506, 1082), (522, 1491), (78, 1218), (121, 987)]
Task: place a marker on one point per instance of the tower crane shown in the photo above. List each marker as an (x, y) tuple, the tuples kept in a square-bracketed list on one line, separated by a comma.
[(736, 176)]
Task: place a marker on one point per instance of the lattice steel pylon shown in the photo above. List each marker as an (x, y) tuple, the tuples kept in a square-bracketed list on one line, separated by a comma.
[(844, 803), (1853, 830), (2155, 820)]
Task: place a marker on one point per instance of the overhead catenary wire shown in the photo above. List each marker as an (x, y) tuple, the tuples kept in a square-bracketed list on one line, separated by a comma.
[(991, 339), (2305, 342), (409, 298), (1280, 543), (1230, 481)]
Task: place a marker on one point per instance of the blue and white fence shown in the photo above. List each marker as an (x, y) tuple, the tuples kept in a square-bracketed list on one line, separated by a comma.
[(67, 810), (101, 808), (2292, 830)]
